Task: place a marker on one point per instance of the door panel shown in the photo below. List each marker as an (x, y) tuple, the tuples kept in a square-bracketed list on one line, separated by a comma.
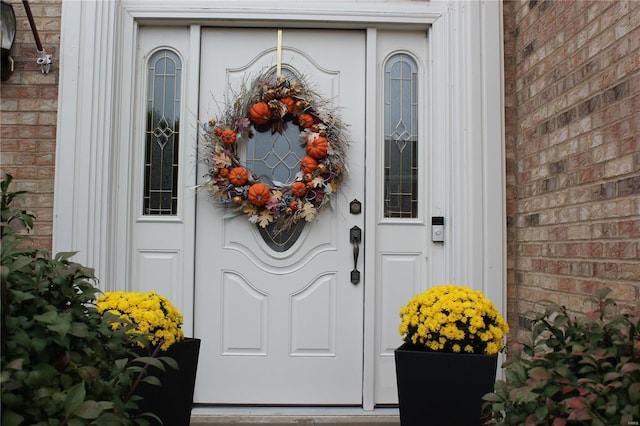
[(281, 327), (403, 244), (162, 244)]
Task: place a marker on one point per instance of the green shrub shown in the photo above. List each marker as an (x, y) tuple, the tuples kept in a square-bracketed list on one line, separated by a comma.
[(574, 371), (61, 362)]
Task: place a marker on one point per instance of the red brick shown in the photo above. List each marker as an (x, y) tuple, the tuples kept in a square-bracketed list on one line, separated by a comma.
[(573, 145)]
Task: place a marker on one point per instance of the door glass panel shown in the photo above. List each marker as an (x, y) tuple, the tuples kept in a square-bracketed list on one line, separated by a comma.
[(162, 135), (401, 137), (275, 158)]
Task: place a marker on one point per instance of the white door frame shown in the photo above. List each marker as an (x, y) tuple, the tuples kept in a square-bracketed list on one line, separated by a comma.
[(97, 62)]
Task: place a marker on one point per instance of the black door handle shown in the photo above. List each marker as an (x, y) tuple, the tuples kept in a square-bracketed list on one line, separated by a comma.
[(355, 236)]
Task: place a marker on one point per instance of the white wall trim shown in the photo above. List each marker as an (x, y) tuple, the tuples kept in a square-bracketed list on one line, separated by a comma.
[(85, 131)]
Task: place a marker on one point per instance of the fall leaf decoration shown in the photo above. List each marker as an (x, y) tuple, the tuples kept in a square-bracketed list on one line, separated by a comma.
[(272, 104)]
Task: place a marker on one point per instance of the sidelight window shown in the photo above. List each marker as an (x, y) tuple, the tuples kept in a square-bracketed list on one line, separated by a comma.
[(400, 137), (162, 137)]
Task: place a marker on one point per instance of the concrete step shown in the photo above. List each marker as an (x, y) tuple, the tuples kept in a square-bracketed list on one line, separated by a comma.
[(297, 420), (281, 416)]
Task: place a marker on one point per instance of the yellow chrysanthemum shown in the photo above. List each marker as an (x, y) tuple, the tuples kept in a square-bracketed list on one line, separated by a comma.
[(453, 319), (148, 314)]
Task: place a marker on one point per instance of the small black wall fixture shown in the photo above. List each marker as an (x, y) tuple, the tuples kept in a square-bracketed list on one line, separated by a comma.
[(8, 25)]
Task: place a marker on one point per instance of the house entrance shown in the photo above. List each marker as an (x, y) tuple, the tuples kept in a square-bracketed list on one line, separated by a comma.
[(283, 324)]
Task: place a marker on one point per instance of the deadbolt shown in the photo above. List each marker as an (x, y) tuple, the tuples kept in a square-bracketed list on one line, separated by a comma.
[(355, 207)]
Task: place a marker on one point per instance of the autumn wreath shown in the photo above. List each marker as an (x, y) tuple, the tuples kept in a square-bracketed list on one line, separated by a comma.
[(270, 104)]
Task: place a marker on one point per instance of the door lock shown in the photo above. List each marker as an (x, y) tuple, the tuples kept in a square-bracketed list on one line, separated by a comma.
[(355, 235), (355, 207)]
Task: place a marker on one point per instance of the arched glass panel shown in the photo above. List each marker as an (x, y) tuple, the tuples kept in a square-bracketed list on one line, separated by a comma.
[(401, 137), (162, 137)]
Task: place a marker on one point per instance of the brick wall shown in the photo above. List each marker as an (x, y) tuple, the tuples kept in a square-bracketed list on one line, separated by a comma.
[(573, 151), (28, 104)]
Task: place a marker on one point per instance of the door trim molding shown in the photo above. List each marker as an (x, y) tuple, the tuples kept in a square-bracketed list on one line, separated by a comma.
[(95, 110)]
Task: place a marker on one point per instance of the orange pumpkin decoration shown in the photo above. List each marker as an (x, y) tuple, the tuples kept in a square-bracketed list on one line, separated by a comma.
[(238, 176), (308, 164), (293, 205), (217, 131), (289, 102), (260, 113), (305, 121), (224, 172), (229, 137), (258, 194), (299, 189), (317, 147)]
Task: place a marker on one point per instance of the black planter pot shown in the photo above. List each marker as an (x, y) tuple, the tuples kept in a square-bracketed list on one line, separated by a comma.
[(172, 401), (442, 389)]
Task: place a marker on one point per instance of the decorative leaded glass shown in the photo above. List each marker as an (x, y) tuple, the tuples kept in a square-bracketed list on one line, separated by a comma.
[(275, 158), (162, 136), (401, 137)]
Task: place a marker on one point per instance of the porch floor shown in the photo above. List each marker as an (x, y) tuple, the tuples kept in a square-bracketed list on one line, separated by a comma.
[(294, 416), (295, 420)]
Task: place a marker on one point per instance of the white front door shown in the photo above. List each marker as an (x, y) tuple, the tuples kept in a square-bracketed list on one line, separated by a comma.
[(281, 327)]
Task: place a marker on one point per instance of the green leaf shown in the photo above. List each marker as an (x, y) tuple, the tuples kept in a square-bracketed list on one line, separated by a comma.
[(634, 392), (151, 361), (62, 326), (611, 408), (170, 362), (542, 412), (15, 364), (523, 395), (17, 295), (48, 317), (108, 419), (609, 377), (152, 380), (92, 409), (629, 367), (88, 373), (511, 374), (75, 397), (65, 255), (603, 292), (492, 397), (10, 418), (539, 373), (79, 329), (121, 363)]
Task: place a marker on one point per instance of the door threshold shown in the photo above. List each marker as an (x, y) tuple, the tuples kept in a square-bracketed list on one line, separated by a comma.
[(250, 415)]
